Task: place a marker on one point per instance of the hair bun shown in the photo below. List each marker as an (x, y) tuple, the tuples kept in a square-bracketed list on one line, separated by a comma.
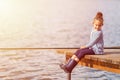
[(99, 15)]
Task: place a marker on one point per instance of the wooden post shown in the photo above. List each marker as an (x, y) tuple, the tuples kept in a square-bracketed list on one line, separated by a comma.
[(69, 76)]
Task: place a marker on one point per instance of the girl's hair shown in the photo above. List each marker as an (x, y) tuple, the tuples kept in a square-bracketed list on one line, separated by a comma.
[(99, 17)]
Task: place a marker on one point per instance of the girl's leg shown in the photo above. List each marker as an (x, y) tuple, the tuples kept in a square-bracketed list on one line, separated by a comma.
[(79, 50), (75, 59), (72, 62), (84, 52)]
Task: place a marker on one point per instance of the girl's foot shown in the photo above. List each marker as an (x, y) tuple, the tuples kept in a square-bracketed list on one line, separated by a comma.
[(62, 66)]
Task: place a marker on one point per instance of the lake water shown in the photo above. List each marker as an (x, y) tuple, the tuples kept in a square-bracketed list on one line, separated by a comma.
[(44, 65), (52, 23)]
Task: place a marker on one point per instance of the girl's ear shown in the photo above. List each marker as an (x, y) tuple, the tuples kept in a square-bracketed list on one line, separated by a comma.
[(101, 23)]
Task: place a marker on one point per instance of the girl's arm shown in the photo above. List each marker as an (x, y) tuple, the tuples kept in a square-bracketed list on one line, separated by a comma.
[(95, 39)]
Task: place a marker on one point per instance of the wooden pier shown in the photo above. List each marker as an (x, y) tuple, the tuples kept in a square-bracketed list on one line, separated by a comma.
[(110, 61)]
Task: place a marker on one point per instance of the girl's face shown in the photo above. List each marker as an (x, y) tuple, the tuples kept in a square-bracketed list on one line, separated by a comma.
[(97, 25)]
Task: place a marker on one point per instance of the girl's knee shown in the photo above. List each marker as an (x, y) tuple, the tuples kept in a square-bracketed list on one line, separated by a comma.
[(77, 52)]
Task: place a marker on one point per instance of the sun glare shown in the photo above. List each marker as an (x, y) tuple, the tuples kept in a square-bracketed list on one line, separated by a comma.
[(10, 20), (5, 6), (5, 14)]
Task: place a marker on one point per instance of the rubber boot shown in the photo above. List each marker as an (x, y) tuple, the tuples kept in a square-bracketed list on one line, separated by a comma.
[(69, 66)]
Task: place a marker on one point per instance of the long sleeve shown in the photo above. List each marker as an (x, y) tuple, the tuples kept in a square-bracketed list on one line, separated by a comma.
[(96, 42), (95, 37)]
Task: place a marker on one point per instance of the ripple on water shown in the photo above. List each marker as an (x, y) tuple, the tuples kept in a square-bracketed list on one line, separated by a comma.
[(44, 65)]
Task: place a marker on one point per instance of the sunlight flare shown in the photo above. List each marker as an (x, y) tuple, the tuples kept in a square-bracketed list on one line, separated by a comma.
[(5, 6), (13, 18)]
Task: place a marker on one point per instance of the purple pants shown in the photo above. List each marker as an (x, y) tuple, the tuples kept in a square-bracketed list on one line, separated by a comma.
[(80, 53)]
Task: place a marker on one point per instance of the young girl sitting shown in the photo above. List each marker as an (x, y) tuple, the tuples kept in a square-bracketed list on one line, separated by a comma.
[(95, 45)]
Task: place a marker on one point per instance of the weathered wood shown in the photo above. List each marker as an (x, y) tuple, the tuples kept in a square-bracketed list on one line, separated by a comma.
[(110, 61)]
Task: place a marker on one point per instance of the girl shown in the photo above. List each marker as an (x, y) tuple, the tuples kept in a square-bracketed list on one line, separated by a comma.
[(95, 45)]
